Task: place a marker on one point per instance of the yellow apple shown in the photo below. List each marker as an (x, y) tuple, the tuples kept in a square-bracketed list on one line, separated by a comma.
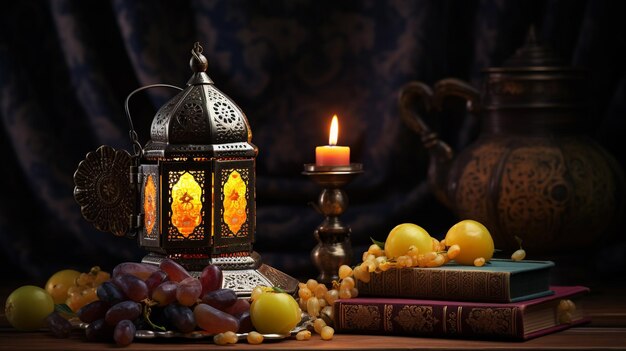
[(403, 236), (474, 240)]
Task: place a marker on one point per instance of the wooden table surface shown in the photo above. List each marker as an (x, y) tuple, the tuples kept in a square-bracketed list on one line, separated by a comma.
[(605, 305)]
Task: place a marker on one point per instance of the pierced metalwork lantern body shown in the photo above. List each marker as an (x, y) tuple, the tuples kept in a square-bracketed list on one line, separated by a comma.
[(196, 210), (192, 185), (197, 176)]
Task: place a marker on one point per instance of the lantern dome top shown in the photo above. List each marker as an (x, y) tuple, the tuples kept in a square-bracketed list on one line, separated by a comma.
[(200, 121)]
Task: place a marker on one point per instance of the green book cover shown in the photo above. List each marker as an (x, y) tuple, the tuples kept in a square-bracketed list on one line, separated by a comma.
[(498, 281)]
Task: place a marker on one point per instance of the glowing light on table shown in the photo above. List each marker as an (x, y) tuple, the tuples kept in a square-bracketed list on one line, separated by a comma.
[(331, 154)]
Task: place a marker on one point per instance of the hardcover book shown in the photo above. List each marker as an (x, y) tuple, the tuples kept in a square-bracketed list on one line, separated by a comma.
[(515, 321), (498, 281)]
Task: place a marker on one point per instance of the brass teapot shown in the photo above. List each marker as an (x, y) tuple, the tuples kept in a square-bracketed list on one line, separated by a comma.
[(531, 173)]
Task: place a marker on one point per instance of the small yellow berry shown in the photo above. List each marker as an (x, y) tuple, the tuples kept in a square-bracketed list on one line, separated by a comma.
[(327, 333), (254, 338), (375, 250), (230, 337), (318, 324), (303, 335), (453, 251), (331, 296), (345, 271), (347, 283), (345, 294), (219, 339), (313, 306), (311, 284), (304, 293), (518, 255)]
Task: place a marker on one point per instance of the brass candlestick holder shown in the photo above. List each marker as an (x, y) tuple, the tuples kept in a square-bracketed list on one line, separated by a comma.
[(334, 247)]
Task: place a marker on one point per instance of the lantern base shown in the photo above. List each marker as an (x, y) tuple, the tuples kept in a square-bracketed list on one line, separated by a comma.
[(241, 274)]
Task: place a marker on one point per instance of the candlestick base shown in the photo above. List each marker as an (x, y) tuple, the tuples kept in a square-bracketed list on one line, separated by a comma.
[(334, 247)]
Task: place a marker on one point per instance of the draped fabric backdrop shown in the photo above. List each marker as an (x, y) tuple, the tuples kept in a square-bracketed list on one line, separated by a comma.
[(66, 67)]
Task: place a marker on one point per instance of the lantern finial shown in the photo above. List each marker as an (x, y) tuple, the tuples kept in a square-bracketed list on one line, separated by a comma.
[(198, 62)]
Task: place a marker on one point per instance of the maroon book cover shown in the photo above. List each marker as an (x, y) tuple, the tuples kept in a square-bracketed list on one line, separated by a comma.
[(517, 321)]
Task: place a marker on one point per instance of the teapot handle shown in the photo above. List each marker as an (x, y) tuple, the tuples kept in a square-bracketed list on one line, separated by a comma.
[(455, 87), (416, 94)]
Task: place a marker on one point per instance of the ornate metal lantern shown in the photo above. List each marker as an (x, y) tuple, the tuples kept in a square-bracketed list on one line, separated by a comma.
[(189, 194)]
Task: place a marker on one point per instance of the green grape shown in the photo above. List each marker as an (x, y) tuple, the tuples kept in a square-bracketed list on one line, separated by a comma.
[(27, 307)]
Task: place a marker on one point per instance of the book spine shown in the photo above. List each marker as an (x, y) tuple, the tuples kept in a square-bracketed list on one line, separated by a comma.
[(449, 320), (480, 286)]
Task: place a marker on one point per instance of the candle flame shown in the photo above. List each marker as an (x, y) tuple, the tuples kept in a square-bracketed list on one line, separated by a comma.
[(334, 131)]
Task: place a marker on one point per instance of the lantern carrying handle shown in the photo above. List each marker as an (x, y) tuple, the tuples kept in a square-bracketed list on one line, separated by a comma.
[(138, 150)]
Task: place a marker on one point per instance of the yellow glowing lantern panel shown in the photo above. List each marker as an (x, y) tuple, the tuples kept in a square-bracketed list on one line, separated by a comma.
[(235, 202), (149, 205), (186, 204)]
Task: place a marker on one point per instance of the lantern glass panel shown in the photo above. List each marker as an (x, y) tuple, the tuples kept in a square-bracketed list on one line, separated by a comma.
[(186, 195), (186, 205), (235, 202), (235, 199), (149, 204)]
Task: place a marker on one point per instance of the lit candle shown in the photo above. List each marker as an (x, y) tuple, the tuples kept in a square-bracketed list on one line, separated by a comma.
[(332, 155)]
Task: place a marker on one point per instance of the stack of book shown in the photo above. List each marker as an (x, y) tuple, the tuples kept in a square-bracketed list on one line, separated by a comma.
[(503, 300)]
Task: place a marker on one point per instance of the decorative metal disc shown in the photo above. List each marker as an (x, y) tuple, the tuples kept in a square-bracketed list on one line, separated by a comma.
[(103, 189)]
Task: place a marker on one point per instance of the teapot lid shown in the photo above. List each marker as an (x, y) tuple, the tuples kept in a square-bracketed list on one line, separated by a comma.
[(534, 54), (535, 77)]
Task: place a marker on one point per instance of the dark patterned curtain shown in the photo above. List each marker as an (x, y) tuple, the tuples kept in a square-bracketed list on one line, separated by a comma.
[(66, 67)]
